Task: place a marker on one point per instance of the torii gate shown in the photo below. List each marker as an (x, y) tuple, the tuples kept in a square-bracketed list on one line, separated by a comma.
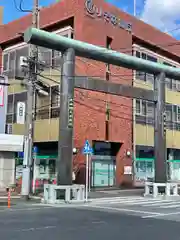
[(72, 48)]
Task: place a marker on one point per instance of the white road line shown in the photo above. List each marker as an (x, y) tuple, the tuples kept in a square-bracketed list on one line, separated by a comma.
[(171, 206), (123, 210), (34, 229), (158, 203), (113, 198), (130, 201), (161, 215), (117, 200), (143, 202)]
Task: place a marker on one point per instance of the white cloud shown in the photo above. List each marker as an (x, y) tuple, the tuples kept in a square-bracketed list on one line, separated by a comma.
[(163, 14)]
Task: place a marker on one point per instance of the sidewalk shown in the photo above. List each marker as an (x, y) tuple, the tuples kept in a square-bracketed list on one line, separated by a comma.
[(92, 194), (116, 193)]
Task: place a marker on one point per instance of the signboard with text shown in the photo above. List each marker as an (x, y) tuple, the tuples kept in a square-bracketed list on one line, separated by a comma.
[(21, 108), (98, 12)]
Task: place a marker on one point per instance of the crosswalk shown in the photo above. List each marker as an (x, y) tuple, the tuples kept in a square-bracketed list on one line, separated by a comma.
[(136, 202)]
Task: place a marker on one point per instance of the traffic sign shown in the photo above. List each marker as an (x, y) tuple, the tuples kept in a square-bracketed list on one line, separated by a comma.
[(20, 154), (87, 148), (35, 149)]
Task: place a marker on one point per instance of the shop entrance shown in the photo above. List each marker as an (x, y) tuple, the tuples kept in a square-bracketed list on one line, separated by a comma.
[(103, 164)]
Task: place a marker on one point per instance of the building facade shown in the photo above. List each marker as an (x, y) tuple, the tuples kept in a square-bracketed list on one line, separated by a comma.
[(114, 125)]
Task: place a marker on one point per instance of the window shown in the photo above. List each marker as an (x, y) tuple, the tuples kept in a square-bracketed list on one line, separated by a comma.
[(10, 109), (45, 55), (150, 109), (174, 116), (144, 108), (178, 113), (171, 83), (169, 116), (5, 62), (144, 151), (55, 96), (140, 111), (177, 85), (12, 64), (11, 57), (21, 52), (138, 107), (145, 76), (56, 59)]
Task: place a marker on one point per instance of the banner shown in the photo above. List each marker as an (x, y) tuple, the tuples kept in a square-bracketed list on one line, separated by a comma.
[(21, 107)]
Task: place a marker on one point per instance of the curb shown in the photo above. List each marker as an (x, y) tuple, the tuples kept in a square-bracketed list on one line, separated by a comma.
[(19, 197)]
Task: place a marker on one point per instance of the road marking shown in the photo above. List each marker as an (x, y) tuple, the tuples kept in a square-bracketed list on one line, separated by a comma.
[(117, 200), (158, 202), (161, 215), (34, 229), (171, 206), (22, 209), (123, 210)]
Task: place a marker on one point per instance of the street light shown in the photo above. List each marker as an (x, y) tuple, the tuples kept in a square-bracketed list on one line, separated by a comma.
[(75, 150)]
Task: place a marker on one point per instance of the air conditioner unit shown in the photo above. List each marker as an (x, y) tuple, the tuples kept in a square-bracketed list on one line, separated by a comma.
[(9, 128)]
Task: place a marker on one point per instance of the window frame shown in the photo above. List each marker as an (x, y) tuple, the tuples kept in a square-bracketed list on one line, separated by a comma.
[(68, 30)]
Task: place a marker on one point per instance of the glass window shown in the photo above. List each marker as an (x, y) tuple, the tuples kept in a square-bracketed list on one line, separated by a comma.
[(144, 151), (150, 78), (138, 106), (12, 62), (144, 108), (5, 62), (168, 83), (10, 104), (45, 56), (174, 113), (56, 59), (55, 96), (174, 85), (150, 109), (177, 85), (21, 52), (178, 113), (140, 75), (168, 112), (143, 55), (151, 58), (138, 54)]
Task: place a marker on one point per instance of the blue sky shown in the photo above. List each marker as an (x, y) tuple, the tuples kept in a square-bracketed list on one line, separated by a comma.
[(163, 14)]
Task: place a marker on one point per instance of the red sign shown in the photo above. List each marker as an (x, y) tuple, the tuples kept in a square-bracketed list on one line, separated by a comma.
[(1, 96)]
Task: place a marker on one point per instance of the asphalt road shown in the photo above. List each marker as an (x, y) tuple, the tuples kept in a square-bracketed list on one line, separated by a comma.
[(38, 222), (167, 209)]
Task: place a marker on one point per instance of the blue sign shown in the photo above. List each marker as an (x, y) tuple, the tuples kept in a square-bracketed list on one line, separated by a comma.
[(87, 148), (35, 149), (20, 154)]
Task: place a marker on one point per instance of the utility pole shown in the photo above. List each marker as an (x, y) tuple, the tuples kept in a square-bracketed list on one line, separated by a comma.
[(134, 2), (32, 79)]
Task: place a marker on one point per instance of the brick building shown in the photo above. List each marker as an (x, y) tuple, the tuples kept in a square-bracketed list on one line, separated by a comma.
[(114, 125)]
